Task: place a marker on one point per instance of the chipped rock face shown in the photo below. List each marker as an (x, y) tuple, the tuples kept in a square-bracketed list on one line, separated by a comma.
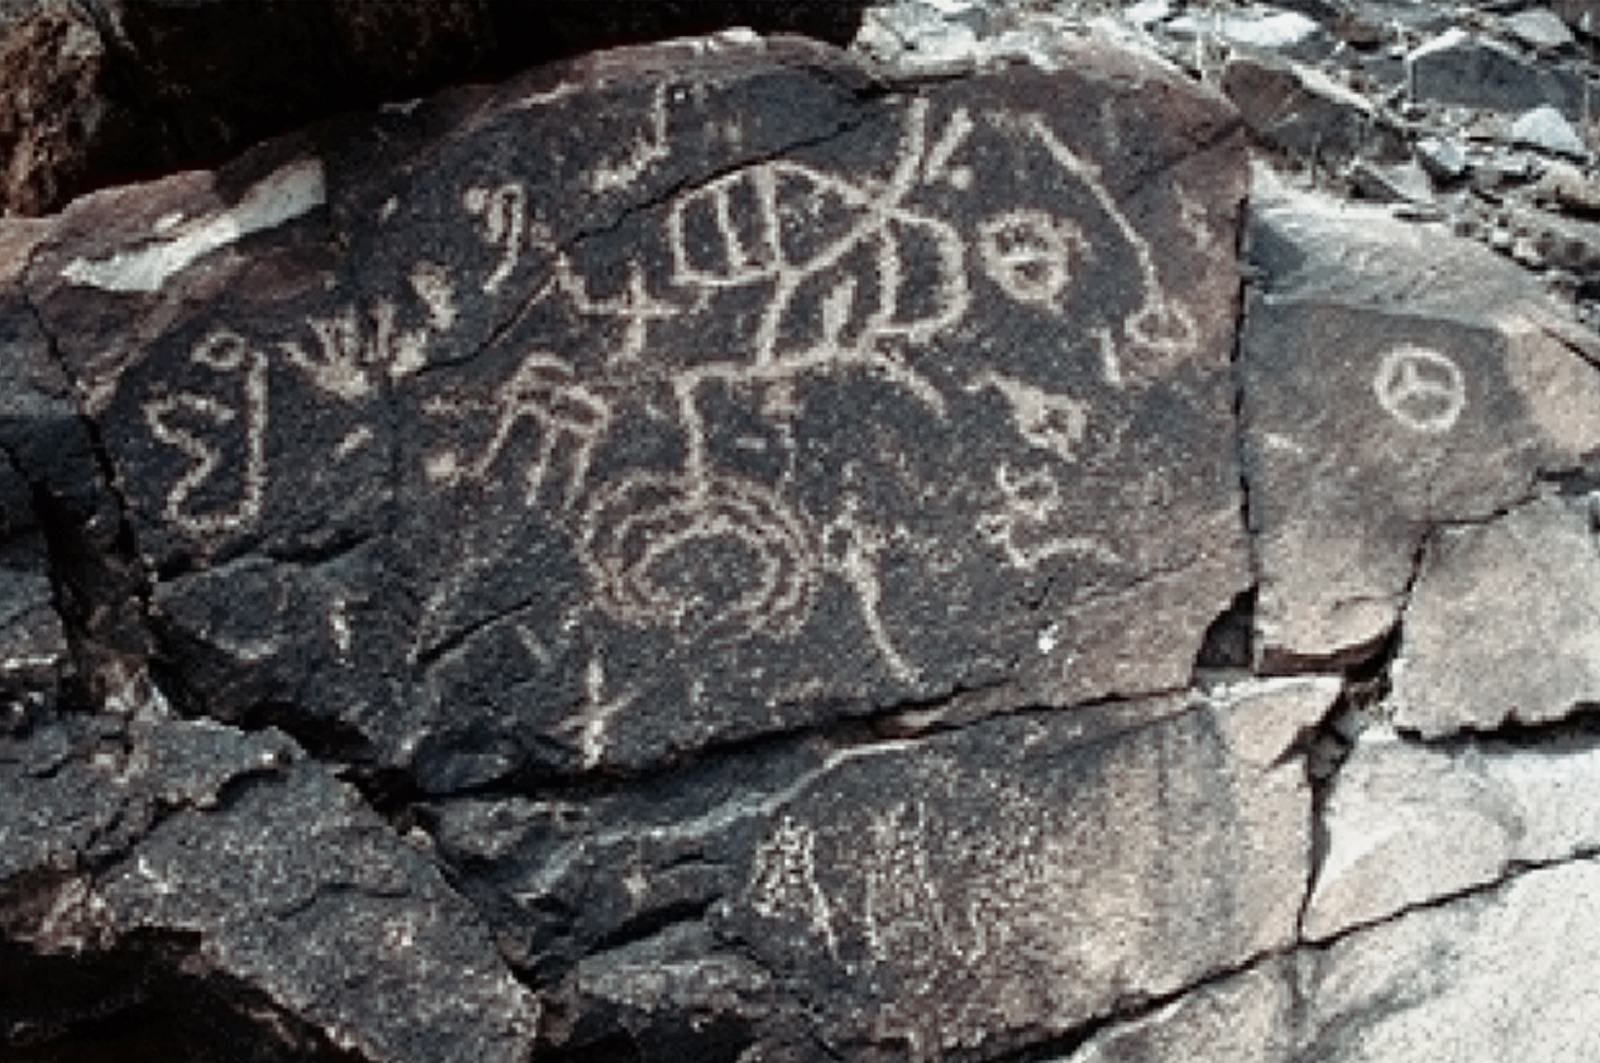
[(1407, 825), (721, 396), (1370, 417), (1503, 623), (953, 895)]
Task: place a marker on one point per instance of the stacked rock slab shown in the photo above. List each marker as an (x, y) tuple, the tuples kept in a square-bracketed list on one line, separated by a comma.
[(667, 412)]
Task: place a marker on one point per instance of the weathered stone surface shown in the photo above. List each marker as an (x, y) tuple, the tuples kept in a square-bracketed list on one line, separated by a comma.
[(1540, 28), (1458, 67), (1300, 110), (1408, 824), (287, 881), (1503, 623), (1395, 378), (1545, 128), (1506, 974), (952, 895), (103, 90), (677, 397)]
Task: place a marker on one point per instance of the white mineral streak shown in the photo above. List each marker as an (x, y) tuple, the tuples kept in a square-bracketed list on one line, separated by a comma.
[(286, 194)]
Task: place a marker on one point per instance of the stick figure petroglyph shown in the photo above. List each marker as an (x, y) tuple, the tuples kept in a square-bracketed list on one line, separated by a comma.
[(225, 352), (783, 881), (1421, 388)]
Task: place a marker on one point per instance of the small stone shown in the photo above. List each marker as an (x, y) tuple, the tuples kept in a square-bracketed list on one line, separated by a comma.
[(1406, 183), (1262, 27), (1443, 158), (1567, 186), (1544, 128), (1540, 28)]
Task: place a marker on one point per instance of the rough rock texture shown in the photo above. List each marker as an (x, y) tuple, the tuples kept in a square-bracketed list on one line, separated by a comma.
[(1395, 379), (954, 895), (741, 552), (1503, 622), (101, 90), (1407, 824), (532, 450), (1496, 975)]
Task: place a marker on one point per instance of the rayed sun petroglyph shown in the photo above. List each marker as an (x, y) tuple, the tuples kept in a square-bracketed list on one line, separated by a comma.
[(842, 277)]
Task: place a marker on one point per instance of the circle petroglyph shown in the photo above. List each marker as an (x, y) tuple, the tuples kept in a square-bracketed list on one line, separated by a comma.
[(726, 558), (1028, 253), (1421, 388)]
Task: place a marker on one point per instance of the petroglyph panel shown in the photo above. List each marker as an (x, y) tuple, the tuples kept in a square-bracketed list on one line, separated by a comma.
[(770, 399), (1013, 880)]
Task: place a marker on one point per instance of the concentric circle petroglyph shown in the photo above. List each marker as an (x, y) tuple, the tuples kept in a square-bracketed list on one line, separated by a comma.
[(726, 558), (1421, 388)]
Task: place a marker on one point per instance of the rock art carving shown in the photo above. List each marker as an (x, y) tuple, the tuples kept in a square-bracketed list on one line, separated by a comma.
[(1024, 527), (1421, 388), (639, 538), (544, 390), (1029, 254), (225, 352)]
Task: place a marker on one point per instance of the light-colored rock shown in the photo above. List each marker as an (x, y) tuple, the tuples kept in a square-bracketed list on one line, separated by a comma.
[(1242, 1019), (1503, 623), (1508, 974), (1539, 28), (1408, 824), (1395, 377), (1546, 129)]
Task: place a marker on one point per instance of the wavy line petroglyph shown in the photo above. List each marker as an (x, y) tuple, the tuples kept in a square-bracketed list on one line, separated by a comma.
[(225, 352), (504, 211), (851, 548)]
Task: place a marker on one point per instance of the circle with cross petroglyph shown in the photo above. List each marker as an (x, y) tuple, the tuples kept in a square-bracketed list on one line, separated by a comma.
[(1421, 388)]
